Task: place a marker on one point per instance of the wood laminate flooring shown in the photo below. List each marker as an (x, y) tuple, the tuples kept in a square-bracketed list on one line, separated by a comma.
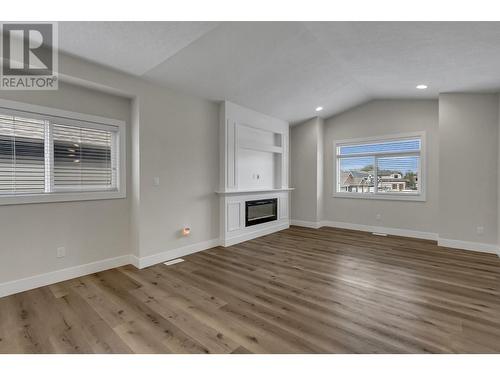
[(296, 291)]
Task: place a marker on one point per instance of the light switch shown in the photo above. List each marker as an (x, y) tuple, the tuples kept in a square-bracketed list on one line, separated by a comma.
[(156, 181)]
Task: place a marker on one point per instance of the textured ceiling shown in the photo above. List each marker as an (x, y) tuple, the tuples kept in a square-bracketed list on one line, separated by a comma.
[(286, 69), (133, 47)]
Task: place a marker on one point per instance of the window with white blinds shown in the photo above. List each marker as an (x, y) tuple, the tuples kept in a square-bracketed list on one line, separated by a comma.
[(83, 158), (22, 155), (45, 155), (389, 167)]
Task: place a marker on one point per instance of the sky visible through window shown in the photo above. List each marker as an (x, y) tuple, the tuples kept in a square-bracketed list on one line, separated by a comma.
[(402, 164)]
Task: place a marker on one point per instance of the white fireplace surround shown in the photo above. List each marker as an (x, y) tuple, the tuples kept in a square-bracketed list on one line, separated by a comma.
[(253, 166)]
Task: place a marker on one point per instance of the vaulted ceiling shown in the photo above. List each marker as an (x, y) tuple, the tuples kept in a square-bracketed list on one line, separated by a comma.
[(287, 69)]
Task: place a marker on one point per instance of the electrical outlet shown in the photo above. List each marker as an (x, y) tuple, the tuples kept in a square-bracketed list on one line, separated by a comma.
[(61, 252), (378, 217), (480, 230)]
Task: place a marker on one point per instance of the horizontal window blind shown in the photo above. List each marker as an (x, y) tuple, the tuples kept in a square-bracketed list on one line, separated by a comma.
[(392, 146), (83, 158), (387, 166), (42, 154), (22, 155)]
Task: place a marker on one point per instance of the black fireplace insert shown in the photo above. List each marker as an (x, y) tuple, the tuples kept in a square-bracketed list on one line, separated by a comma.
[(261, 211)]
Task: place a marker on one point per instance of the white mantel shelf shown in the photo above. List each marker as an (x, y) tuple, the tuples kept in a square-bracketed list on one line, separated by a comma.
[(252, 191)]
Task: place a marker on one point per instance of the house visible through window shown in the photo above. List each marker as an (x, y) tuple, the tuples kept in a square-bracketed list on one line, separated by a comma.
[(44, 155), (386, 166)]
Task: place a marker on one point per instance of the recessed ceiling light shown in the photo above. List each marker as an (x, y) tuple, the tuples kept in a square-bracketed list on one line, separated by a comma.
[(319, 109), (421, 87)]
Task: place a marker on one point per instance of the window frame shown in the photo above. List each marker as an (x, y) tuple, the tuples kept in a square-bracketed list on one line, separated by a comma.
[(76, 119), (420, 196)]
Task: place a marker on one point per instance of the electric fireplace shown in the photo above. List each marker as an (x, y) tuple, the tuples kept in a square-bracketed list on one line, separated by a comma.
[(261, 211)]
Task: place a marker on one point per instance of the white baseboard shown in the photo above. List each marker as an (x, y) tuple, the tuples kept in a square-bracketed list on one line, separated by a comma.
[(250, 236), (455, 244), (385, 230), (21, 285), (307, 224), (174, 253), (134, 260), (466, 245), (37, 281)]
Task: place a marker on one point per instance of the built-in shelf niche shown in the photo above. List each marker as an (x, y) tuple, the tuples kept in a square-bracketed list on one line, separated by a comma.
[(259, 157), (254, 150)]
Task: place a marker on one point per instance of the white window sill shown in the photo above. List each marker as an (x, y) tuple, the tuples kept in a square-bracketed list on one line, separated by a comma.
[(61, 197), (383, 196)]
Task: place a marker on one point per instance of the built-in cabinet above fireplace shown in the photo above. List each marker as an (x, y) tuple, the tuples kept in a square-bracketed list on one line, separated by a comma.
[(255, 150), (253, 167)]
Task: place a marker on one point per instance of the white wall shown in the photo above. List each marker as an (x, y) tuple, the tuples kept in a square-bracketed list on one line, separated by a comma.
[(306, 170), (179, 144), (176, 139), (171, 135), (253, 163), (90, 230), (320, 170), (468, 167), (379, 118), (462, 160)]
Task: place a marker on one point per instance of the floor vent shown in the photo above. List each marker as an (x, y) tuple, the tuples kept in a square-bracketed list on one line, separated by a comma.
[(379, 234), (175, 261)]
